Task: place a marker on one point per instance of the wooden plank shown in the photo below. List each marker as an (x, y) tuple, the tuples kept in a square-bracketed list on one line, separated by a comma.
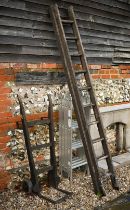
[(27, 35)]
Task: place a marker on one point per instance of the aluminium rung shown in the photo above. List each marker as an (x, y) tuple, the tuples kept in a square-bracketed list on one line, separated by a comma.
[(77, 162), (93, 122), (74, 125), (37, 147), (38, 122), (77, 144), (97, 140)]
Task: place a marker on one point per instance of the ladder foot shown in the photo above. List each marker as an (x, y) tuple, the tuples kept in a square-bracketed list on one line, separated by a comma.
[(115, 184)]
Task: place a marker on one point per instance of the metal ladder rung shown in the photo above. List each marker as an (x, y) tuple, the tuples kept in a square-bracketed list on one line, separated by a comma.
[(74, 124), (103, 157), (76, 144), (93, 122), (67, 21), (97, 140), (37, 147), (77, 162)]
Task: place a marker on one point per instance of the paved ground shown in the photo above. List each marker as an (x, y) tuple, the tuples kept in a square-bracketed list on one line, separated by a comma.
[(120, 203), (119, 160), (123, 201)]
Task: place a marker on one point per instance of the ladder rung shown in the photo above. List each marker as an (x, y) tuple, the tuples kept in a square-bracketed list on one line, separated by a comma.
[(102, 157), (107, 174), (71, 38), (81, 72), (77, 144), (38, 122), (67, 21), (89, 105), (76, 55), (77, 162), (37, 147), (85, 88), (93, 122), (97, 140)]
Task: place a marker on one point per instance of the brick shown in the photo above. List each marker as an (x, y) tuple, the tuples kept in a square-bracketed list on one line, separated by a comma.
[(95, 67), (123, 66), (18, 65), (6, 102), (96, 76), (105, 76), (5, 90), (94, 71), (7, 77), (7, 127), (3, 133), (124, 71), (128, 67), (4, 65), (6, 72), (104, 71), (6, 150), (49, 66), (3, 84), (125, 75), (116, 76), (4, 96), (5, 114), (2, 145), (5, 139), (105, 66), (4, 108), (114, 71)]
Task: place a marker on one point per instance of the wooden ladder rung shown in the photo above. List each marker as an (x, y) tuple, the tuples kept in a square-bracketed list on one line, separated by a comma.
[(67, 21), (103, 157), (93, 122), (94, 141)]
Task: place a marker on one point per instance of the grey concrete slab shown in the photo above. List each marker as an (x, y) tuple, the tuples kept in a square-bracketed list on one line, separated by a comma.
[(103, 165), (122, 159)]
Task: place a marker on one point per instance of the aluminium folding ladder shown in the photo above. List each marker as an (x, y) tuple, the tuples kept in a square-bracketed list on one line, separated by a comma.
[(75, 90)]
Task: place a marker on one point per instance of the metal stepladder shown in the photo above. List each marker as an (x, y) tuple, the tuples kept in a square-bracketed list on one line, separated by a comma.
[(75, 90), (32, 185)]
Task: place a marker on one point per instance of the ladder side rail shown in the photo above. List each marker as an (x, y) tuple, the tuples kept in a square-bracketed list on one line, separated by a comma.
[(33, 172), (52, 143), (93, 97), (85, 66), (74, 91)]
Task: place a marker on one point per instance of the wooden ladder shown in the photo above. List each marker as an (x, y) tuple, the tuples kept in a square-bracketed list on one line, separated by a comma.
[(84, 125)]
